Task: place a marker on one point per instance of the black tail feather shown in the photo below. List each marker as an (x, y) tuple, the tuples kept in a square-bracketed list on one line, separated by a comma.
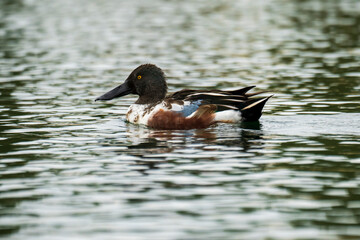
[(241, 91), (253, 111)]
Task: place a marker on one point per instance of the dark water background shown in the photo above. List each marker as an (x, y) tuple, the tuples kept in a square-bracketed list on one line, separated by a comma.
[(74, 169)]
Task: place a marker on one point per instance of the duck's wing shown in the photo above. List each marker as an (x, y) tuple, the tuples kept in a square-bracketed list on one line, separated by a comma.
[(237, 100)]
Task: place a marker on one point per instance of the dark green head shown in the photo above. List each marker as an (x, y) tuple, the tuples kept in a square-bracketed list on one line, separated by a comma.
[(147, 81)]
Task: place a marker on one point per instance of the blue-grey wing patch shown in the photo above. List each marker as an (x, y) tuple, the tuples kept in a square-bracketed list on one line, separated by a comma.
[(190, 108)]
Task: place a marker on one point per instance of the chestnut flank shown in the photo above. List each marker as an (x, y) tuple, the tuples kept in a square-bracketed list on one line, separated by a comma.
[(171, 120)]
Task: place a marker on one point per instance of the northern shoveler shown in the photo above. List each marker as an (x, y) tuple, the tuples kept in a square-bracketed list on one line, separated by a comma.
[(185, 109)]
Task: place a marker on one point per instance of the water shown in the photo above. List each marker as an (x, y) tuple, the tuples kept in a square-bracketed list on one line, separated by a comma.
[(71, 168)]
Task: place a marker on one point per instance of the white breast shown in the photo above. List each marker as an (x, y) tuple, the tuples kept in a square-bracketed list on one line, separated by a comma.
[(141, 113)]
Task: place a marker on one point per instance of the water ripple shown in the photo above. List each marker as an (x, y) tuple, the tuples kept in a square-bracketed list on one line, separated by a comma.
[(72, 168)]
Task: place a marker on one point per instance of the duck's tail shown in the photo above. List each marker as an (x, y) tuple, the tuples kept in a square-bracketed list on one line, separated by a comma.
[(253, 109)]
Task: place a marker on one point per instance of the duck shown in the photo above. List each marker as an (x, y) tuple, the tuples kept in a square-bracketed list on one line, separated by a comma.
[(184, 109)]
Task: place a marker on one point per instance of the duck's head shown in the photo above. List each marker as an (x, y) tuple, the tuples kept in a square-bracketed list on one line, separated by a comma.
[(147, 81)]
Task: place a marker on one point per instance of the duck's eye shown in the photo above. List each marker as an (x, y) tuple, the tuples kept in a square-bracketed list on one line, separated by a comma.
[(139, 77)]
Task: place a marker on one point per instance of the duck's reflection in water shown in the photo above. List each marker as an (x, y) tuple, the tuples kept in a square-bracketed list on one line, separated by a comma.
[(152, 148), (144, 141)]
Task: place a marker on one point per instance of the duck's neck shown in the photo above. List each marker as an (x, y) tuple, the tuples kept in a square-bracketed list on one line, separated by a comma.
[(150, 99)]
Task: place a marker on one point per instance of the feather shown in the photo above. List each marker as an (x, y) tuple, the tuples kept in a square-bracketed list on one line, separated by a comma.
[(253, 111)]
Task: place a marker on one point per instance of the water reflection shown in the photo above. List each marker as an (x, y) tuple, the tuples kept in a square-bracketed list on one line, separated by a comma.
[(12, 71), (147, 139), (325, 49), (72, 168)]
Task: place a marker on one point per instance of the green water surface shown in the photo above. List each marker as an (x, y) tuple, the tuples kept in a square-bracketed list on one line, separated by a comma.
[(71, 168)]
